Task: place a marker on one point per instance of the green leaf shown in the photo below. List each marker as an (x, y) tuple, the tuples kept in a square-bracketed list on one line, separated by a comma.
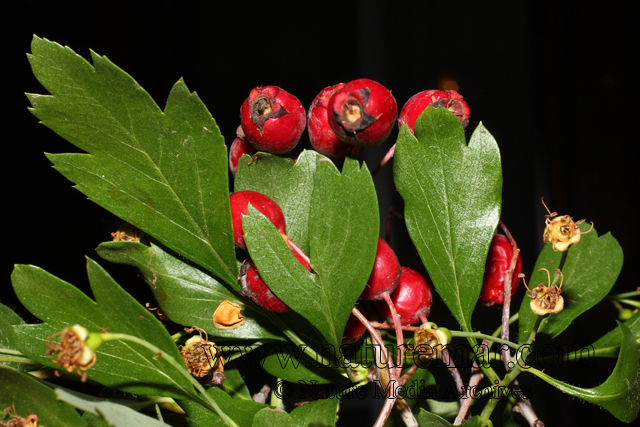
[(317, 413), (8, 318), (164, 172), (288, 183), (188, 295), (240, 411), (114, 414), (452, 195), (234, 384), (427, 419), (609, 344), (343, 241), (122, 365), (620, 393), (30, 396), (590, 271), (268, 417)]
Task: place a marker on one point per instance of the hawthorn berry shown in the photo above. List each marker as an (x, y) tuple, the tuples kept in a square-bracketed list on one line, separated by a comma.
[(322, 137), (239, 202), (498, 262), (254, 287), (411, 298), (272, 119), (419, 102), (362, 112), (385, 274), (238, 147), (354, 330)]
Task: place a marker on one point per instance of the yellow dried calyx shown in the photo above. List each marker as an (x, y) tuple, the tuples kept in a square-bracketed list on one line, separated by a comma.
[(75, 351), (562, 231), (430, 341), (546, 299), (202, 357)]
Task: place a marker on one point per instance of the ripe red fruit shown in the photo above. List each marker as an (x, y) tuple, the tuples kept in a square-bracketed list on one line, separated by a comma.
[(411, 297), (385, 274), (419, 102), (498, 262), (322, 137), (273, 120), (239, 204), (237, 149), (362, 112), (254, 287), (354, 329)]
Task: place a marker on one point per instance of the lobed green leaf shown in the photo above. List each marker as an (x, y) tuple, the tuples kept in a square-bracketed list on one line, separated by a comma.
[(452, 195), (269, 417), (288, 183), (30, 396), (590, 271), (609, 344), (316, 413), (343, 240), (114, 414), (240, 411), (8, 318), (164, 172), (122, 365), (620, 393), (186, 294)]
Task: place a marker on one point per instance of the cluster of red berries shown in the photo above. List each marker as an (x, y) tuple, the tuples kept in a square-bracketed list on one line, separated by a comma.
[(359, 113), (410, 293)]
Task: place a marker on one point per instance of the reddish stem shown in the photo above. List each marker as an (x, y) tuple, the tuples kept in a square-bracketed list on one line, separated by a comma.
[(384, 160), (295, 248), (399, 337), (476, 377)]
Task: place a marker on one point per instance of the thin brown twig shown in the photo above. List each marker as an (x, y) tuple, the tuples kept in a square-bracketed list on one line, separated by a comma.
[(455, 374), (387, 376), (385, 325), (523, 406), (476, 376)]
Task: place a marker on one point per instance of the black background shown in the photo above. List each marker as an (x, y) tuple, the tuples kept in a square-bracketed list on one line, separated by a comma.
[(554, 82)]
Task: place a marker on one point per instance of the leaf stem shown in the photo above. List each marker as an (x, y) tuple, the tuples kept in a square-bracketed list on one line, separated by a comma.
[(481, 336), (521, 354), (276, 399), (631, 302), (245, 350), (624, 295), (295, 339), (11, 352), (211, 403), (17, 359)]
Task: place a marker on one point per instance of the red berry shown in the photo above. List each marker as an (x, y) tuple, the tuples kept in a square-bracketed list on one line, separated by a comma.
[(498, 262), (273, 120), (237, 149), (362, 112), (419, 102), (239, 204), (411, 297), (322, 138), (354, 329), (385, 274), (254, 287)]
